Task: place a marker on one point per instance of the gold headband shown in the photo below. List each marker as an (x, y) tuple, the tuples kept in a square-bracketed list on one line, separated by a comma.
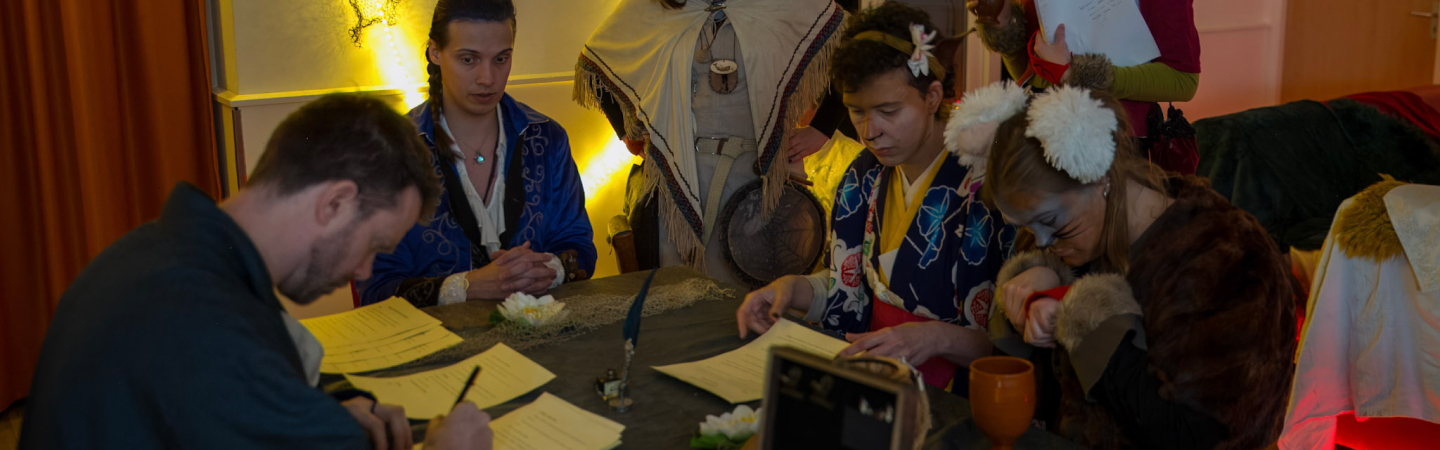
[(903, 46)]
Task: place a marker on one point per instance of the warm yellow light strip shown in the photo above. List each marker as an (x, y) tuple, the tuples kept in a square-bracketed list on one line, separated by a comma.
[(601, 169), (394, 71), (412, 97)]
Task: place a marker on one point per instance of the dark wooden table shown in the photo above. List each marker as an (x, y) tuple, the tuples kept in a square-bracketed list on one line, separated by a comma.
[(668, 411)]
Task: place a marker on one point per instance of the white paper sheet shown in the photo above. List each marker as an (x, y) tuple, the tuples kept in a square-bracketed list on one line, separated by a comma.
[(1110, 27), (738, 376)]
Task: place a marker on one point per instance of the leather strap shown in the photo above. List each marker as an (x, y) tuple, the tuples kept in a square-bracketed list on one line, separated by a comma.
[(461, 211), (514, 192), (717, 189), (722, 174)]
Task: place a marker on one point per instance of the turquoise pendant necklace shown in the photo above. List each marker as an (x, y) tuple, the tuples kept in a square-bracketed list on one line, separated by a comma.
[(479, 159)]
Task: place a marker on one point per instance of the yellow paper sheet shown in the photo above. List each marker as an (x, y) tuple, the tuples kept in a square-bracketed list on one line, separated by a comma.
[(377, 336), (367, 324), (424, 342), (738, 376), (504, 375), (551, 423)]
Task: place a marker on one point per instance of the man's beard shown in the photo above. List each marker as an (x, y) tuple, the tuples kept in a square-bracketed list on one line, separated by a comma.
[(321, 275)]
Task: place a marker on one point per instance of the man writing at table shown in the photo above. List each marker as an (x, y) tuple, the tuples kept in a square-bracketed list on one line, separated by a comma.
[(173, 337)]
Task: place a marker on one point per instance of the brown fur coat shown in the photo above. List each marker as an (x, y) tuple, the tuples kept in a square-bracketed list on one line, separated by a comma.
[(1219, 322)]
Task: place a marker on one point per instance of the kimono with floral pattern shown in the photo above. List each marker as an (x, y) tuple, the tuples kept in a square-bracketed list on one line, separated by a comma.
[(946, 267)]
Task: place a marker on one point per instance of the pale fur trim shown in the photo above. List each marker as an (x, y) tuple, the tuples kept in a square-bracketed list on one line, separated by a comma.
[(1091, 301), (1091, 71), (1364, 229), (1077, 132), (1029, 260), (972, 125), (1034, 258), (1009, 39)]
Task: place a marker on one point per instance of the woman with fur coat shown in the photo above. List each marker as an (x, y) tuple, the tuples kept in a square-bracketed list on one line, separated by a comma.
[(1181, 331)]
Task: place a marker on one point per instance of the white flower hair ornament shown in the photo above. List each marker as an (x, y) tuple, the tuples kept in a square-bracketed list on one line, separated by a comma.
[(1076, 131), (918, 63), (973, 124)]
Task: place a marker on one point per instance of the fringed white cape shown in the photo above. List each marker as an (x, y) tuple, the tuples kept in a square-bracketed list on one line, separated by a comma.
[(642, 54)]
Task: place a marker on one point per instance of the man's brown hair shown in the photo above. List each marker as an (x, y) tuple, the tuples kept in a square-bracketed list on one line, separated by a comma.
[(350, 137)]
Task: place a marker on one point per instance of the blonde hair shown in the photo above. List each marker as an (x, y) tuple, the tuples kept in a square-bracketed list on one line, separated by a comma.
[(1017, 163)]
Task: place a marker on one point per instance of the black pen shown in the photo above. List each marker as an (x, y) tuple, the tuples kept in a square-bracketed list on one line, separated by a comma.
[(468, 383)]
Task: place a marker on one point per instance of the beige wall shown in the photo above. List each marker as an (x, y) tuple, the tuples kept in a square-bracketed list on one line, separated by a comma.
[(1241, 50), (288, 45), (278, 54)]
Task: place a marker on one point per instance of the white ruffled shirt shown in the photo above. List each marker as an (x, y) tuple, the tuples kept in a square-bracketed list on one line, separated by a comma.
[(490, 214)]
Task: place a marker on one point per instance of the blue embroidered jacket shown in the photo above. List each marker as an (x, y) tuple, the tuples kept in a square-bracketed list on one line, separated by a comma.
[(544, 205)]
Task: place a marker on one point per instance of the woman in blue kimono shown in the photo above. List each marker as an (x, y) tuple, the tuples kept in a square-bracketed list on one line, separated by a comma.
[(913, 251), (512, 217)]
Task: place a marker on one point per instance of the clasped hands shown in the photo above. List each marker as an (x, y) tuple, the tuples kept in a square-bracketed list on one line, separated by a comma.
[(512, 270), (1037, 324)]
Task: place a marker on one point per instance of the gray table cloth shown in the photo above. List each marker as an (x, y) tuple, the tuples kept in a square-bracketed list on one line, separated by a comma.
[(667, 411)]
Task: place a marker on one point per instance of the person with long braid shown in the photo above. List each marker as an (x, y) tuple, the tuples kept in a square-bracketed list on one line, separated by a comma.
[(512, 217)]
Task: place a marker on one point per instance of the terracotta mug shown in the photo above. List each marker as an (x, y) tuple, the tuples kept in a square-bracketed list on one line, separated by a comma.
[(1002, 398)]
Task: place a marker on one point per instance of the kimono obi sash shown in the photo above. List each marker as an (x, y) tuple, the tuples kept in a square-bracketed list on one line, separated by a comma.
[(938, 371)]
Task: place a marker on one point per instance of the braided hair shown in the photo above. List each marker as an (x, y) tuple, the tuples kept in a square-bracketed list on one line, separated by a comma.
[(447, 11)]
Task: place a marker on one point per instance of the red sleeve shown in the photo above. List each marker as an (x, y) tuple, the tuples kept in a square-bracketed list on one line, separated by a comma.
[(1056, 293), (1172, 23)]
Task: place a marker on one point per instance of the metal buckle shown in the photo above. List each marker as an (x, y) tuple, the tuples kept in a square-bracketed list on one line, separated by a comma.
[(719, 149)]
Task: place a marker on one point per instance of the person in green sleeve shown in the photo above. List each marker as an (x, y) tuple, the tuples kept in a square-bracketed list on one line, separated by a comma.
[(1172, 77)]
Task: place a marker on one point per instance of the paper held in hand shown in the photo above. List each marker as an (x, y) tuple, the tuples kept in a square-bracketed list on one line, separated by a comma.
[(506, 374), (377, 336), (738, 376), (1114, 28)]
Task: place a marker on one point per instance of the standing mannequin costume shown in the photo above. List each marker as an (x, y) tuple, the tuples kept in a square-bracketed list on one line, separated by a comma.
[(712, 89)]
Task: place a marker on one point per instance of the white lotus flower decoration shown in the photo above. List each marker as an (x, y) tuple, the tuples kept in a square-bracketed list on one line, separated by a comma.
[(736, 426), (525, 309)]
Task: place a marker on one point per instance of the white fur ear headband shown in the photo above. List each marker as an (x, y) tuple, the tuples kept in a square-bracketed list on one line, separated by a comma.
[(972, 125), (1076, 131)]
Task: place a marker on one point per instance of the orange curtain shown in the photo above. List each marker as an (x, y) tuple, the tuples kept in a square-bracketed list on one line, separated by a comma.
[(105, 105)]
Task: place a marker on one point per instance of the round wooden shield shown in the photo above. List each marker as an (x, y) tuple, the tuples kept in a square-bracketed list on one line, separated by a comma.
[(790, 243)]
